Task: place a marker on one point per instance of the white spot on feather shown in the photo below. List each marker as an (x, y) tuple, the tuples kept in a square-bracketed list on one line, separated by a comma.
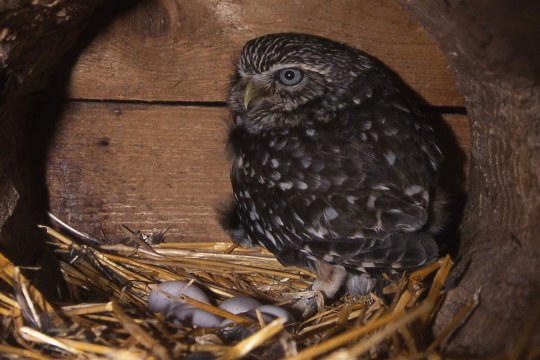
[(253, 215), (259, 228), (329, 258), (371, 201), (330, 213), (275, 176), (390, 131), (281, 144), (306, 161), (270, 237), (390, 157), (278, 220), (352, 199), (240, 161), (298, 219), (378, 226), (301, 185), (265, 158), (413, 189), (287, 185), (319, 232), (339, 179), (366, 125)]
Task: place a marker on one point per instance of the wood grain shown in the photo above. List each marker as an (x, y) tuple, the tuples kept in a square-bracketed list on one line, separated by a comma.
[(170, 50), (494, 49), (149, 167)]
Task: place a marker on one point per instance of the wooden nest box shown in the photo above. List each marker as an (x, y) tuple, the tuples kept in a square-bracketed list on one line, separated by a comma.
[(115, 115)]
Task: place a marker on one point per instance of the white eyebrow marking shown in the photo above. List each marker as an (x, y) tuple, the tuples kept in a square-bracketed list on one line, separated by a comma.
[(319, 70)]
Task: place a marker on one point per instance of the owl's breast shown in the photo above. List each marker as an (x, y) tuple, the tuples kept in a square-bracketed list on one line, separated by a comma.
[(270, 176)]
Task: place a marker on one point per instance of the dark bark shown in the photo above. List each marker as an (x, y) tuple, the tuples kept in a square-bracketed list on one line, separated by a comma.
[(34, 35), (493, 49)]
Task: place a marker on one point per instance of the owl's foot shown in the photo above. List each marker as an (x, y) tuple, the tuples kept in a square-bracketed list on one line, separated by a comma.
[(361, 285), (308, 304), (330, 278)]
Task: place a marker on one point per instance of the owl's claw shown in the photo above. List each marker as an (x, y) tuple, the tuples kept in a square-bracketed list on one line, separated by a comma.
[(308, 304)]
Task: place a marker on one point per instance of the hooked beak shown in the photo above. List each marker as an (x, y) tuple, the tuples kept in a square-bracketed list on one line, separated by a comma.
[(251, 92), (248, 94)]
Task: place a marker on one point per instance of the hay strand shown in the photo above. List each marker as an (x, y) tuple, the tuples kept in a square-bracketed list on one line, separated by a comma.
[(260, 337), (109, 285)]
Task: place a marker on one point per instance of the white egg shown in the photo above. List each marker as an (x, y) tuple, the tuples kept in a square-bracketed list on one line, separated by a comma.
[(269, 312), (275, 312), (189, 315), (239, 304), (165, 295)]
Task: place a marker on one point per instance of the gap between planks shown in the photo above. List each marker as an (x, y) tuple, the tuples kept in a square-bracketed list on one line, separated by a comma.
[(428, 109)]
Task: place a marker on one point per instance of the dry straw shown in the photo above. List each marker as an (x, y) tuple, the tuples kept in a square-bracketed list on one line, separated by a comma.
[(109, 286)]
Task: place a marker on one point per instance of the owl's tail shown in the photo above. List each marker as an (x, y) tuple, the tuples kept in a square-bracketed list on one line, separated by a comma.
[(366, 260)]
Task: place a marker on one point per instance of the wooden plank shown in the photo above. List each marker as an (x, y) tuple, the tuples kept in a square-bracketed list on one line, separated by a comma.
[(153, 167), (147, 167), (185, 50)]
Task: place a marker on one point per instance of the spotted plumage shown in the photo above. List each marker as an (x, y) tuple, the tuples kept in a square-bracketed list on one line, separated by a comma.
[(332, 168)]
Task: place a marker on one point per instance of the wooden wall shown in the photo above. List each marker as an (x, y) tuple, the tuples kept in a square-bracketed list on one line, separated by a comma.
[(140, 139)]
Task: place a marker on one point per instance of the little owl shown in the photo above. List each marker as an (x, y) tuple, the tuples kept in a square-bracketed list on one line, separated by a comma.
[(333, 169)]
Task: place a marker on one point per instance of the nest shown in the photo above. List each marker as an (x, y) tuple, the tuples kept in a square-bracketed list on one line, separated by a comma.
[(107, 316)]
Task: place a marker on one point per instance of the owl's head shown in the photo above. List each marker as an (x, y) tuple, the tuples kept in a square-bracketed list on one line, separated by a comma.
[(284, 80)]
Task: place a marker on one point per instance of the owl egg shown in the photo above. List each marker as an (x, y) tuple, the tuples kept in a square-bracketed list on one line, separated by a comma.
[(273, 312), (239, 304), (185, 314), (166, 295), (247, 306)]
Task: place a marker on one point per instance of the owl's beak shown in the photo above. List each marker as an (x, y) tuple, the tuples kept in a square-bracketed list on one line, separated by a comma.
[(248, 94), (253, 90)]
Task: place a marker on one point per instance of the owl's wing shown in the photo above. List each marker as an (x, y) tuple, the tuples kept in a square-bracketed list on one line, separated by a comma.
[(363, 194), (374, 233), (394, 252), (369, 232)]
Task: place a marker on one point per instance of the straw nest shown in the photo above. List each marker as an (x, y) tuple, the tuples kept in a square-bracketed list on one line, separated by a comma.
[(109, 286)]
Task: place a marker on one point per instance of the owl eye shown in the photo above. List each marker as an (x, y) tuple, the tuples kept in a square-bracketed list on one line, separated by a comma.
[(290, 76)]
